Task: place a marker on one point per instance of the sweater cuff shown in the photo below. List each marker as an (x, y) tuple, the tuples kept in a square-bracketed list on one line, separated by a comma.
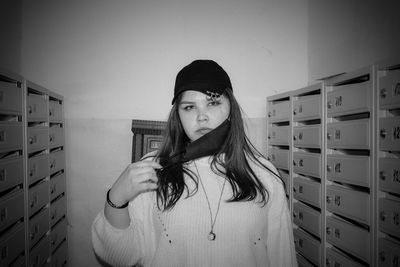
[(112, 229)]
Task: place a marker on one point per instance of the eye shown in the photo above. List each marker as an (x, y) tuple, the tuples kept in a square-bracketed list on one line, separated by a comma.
[(214, 103), (188, 107)]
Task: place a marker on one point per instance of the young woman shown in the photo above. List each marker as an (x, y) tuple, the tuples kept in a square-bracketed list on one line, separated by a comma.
[(206, 198)]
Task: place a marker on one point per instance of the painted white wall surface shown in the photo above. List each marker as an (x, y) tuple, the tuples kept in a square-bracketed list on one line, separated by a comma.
[(118, 59), (10, 38), (94, 162), (114, 61), (345, 35)]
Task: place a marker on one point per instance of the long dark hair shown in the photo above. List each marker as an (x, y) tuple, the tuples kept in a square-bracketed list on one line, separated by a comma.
[(232, 161)]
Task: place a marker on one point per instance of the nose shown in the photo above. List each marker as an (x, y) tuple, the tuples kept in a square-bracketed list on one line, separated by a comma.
[(202, 115)]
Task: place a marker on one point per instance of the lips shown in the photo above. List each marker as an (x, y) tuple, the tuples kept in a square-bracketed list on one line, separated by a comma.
[(203, 130)]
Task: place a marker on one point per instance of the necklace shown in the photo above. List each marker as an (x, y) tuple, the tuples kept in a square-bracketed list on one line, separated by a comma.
[(211, 234)]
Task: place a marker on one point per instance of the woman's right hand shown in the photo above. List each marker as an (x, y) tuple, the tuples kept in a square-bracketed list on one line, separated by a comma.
[(137, 178)]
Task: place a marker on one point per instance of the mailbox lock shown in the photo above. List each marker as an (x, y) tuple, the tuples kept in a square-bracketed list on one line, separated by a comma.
[(53, 189), (383, 93), (3, 214), (337, 200), (32, 171), (300, 189), (382, 175), (2, 175), (337, 233), (328, 262), (328, 230), (36, 261), (337, 168), (4, 252), (294, 111), (395, 260), (335, 264), (328, 199), (34, 233), (53, 215), (301, 243), (382, 257), (294, 137), (269, 114), (33, 201), (301, 163), (397, 88), (382, 216), (53, 242), (329, 104), (53, 164), (329, 136), (396, 219), (328, 168), (383, 133)]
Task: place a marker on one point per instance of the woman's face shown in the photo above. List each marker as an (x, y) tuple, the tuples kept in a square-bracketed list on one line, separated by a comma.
[(199, 113)]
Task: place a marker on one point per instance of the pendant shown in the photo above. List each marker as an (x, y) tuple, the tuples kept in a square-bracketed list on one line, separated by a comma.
[(211, 236)]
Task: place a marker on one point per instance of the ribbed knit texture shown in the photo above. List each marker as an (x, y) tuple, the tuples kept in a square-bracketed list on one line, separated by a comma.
[(247, 234)]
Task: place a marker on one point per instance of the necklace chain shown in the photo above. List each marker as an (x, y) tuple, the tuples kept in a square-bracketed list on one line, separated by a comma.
[(211, 235)]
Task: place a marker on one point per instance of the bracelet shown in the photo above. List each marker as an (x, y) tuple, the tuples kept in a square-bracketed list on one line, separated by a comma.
[(112, 204)]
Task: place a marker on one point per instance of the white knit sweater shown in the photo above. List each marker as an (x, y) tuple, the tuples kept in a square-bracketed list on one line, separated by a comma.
[(247, 233)]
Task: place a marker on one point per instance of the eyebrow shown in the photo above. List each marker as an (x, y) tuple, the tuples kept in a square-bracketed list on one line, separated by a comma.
[(193, 102), (186, 102)]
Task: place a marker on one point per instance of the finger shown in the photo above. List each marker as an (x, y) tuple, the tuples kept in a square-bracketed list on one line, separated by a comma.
[(145, 163), (134, 170), (148, 178), (149, 187), (143, 174), (143, 170)]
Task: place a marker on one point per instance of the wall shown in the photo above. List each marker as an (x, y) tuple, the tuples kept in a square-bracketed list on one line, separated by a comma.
[(116, 60), (346, 35), (10, 38)]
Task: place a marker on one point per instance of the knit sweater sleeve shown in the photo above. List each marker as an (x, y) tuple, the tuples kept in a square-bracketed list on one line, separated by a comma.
[(123, 247), (278, 230)]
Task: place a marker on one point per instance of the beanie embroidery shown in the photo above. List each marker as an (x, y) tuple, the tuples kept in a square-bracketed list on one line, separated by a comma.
[(214, 96)]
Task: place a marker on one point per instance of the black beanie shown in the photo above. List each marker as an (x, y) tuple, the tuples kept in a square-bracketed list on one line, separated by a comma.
[(205, 76)]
